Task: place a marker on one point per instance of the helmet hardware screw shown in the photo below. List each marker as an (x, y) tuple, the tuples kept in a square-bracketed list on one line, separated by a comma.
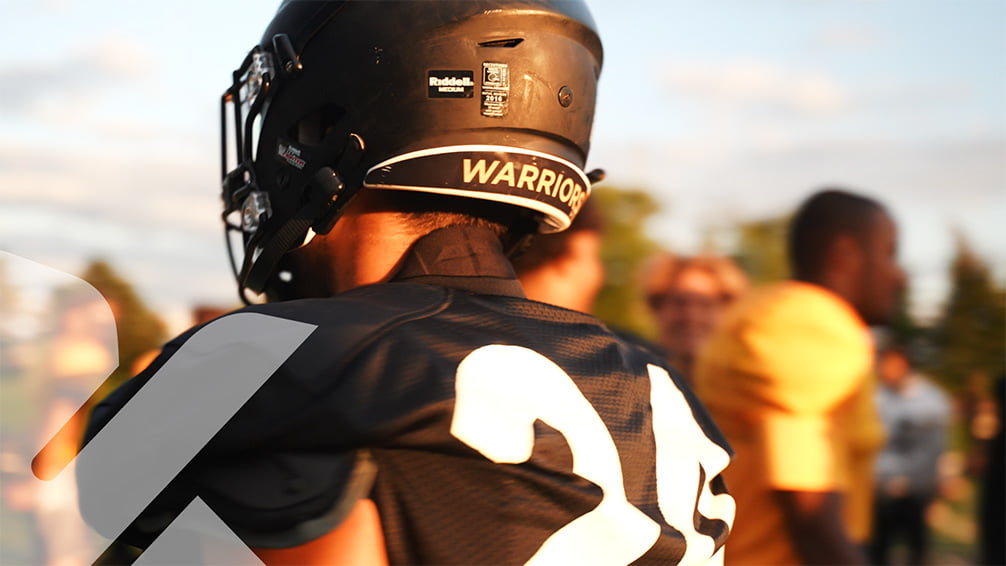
[(565, 96), (283, 47)]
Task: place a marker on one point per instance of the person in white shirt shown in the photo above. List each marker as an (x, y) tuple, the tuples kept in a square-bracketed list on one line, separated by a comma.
[(915, 413)]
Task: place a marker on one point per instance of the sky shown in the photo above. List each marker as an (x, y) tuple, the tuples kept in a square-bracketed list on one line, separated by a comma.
[(723, 110)]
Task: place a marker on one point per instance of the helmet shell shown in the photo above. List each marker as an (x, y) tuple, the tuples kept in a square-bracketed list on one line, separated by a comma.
[(489, 99), (371, 63)]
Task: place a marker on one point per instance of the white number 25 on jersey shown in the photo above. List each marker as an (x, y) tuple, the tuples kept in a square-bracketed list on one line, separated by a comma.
[(503, 390)]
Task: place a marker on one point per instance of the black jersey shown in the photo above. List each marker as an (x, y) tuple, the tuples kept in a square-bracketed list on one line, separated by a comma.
[(487, 428)]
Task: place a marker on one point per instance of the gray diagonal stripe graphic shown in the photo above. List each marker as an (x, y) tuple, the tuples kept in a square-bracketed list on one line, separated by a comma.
[(197, 538), (177, 412)]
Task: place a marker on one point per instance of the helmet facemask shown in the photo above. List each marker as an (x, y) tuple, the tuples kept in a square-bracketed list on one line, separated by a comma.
[(315, 192)]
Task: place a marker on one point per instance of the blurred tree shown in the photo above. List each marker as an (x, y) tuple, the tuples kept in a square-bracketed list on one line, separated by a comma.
[(140, 331), (970, 337), (625, 249), (904, 329), (761, 249)]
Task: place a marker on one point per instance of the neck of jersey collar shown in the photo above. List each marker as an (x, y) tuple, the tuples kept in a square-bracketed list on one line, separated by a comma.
[(468, 258)]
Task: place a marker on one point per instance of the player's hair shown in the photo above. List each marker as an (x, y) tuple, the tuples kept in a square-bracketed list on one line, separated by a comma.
[(820, 220), (423, 213), (546, 248)]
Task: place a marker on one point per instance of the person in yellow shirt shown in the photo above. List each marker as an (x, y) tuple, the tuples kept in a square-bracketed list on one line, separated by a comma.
[(787, 376)]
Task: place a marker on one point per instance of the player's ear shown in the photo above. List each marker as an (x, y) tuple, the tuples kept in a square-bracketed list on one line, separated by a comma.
[(570, 263)]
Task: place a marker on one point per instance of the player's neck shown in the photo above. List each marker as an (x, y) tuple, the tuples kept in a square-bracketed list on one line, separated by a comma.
[(374, 251), (837, 282), (365, 246)]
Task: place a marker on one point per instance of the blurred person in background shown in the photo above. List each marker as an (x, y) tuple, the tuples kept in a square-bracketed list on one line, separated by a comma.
[(565, 268), (916, 415), (79, 354), (787, 376), (687, 296), (430, 412)]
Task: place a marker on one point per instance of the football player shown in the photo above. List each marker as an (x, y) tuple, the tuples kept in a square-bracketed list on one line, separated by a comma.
[(387, 156)]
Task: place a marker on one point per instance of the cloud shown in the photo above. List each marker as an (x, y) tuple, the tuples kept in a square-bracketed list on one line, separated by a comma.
[(734, 106), (56, 5), (159, 189), (155, 218), (754, 83), (26, 85), (846, 37)]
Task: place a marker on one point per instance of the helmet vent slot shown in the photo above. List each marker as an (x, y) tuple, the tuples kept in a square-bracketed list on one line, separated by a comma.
[(512, 42)]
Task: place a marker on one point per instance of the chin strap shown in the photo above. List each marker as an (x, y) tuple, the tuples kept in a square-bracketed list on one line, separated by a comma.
[(328, 192)]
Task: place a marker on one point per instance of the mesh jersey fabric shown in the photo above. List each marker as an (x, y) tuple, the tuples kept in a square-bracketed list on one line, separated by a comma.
[(376, 386)]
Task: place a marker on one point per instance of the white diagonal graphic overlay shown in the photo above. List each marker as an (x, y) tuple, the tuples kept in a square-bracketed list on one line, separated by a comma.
[(176, 413)]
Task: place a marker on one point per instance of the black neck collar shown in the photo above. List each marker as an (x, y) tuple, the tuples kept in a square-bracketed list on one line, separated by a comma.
[(468, 258)]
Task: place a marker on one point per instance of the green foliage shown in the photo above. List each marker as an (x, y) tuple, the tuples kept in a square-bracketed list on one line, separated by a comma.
[(903, 329), (970, 338), (761, 249), (624, 252), (139, 329)]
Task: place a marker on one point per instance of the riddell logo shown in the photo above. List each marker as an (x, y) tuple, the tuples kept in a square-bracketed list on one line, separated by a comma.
[(452, 81), (451, 84)]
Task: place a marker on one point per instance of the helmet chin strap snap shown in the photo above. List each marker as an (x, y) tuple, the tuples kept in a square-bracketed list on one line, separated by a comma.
[(326, 190), (331, 190)]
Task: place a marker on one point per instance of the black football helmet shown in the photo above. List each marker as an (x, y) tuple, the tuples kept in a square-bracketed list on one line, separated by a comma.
[(487, 99)]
